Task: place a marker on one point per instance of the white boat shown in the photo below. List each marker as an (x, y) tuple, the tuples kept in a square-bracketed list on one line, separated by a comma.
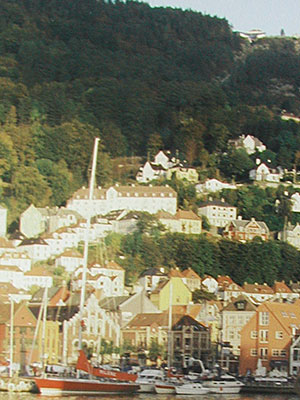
[(148, 378), (167, 386), (193, 388), (224, 384)]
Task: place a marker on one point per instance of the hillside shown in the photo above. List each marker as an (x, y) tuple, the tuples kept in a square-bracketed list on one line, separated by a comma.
[(141, 78)]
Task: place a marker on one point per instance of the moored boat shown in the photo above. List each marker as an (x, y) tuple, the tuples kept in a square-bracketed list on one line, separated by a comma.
[(73, 386), (224, 384), (148, 378), (102, 382), (193, 388)]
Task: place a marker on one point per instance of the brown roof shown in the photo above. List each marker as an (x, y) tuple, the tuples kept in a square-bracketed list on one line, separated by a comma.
[(144, 320), (181, 214), (190, 273), (38, 271), (257, 288), (281, 287), (4, 243), (71, 253), (134, 190), (175, 273), (10, 268), (233, 306)]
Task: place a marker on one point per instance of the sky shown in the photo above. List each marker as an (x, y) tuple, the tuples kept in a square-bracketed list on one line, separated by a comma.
[(268, 15)]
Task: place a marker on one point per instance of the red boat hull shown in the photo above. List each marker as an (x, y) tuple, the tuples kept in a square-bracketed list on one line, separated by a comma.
[(63, 386)]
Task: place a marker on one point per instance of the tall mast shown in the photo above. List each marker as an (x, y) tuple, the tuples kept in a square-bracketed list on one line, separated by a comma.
[(170, 326), (86, 241)]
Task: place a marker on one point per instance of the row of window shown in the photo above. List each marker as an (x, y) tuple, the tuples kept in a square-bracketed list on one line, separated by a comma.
[(263, 353), (263, 335)]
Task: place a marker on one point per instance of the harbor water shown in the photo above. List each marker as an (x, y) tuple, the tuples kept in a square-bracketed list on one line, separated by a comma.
[(144, 396)]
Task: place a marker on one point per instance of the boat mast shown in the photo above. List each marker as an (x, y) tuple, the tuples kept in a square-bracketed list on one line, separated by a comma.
[(86, 242), (170, 326)]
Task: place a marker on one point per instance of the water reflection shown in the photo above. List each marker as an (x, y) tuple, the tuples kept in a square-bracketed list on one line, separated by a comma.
[(147, 396)]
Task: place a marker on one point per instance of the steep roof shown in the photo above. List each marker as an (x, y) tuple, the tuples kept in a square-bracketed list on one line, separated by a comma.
[(175, 273), (112, 303), (233, 306), (242, 224), (190, 273)]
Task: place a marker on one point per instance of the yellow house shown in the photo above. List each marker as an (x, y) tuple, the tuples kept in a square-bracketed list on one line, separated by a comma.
[(51, 344), (183, 172), (181, 294)]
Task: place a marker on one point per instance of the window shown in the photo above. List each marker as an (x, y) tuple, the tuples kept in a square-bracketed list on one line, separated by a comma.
[(283, 353), (264, 318), (278, 335), (263, 353), (253, 352), (254, 335), (263, 336), (284, 314), (275, 353), (231, 335)]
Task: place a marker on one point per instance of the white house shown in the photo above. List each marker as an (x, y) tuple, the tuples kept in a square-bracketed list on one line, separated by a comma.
[(35, 220), (295, 199), (139, 198), (218, 212), (250, 143), (3, 220), (265, 174), (210, 284), (291, 235), (37, 249), (213, 186), (18, 259), (70, 259), (109, 277), (149, 172)]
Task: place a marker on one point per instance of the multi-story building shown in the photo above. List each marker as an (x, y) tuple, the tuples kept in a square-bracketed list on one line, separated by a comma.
[(218, 212), (139, 198), (234, 317), (268, 337)]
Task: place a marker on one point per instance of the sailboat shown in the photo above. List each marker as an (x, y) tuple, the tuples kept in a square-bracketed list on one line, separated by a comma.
[(88, 380)]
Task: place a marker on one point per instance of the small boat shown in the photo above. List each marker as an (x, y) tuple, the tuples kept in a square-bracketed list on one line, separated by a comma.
[(148, 378), (167, 386), (224, 383), (194, 388)]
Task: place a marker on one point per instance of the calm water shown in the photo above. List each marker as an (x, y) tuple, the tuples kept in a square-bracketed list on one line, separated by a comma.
[(24, 396)]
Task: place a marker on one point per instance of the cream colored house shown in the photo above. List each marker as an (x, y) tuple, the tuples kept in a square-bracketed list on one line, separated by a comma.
[(182, 171), (182, 222), (291, 235)]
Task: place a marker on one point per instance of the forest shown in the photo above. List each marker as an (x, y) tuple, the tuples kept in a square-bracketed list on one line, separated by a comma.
[(144, 79)]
